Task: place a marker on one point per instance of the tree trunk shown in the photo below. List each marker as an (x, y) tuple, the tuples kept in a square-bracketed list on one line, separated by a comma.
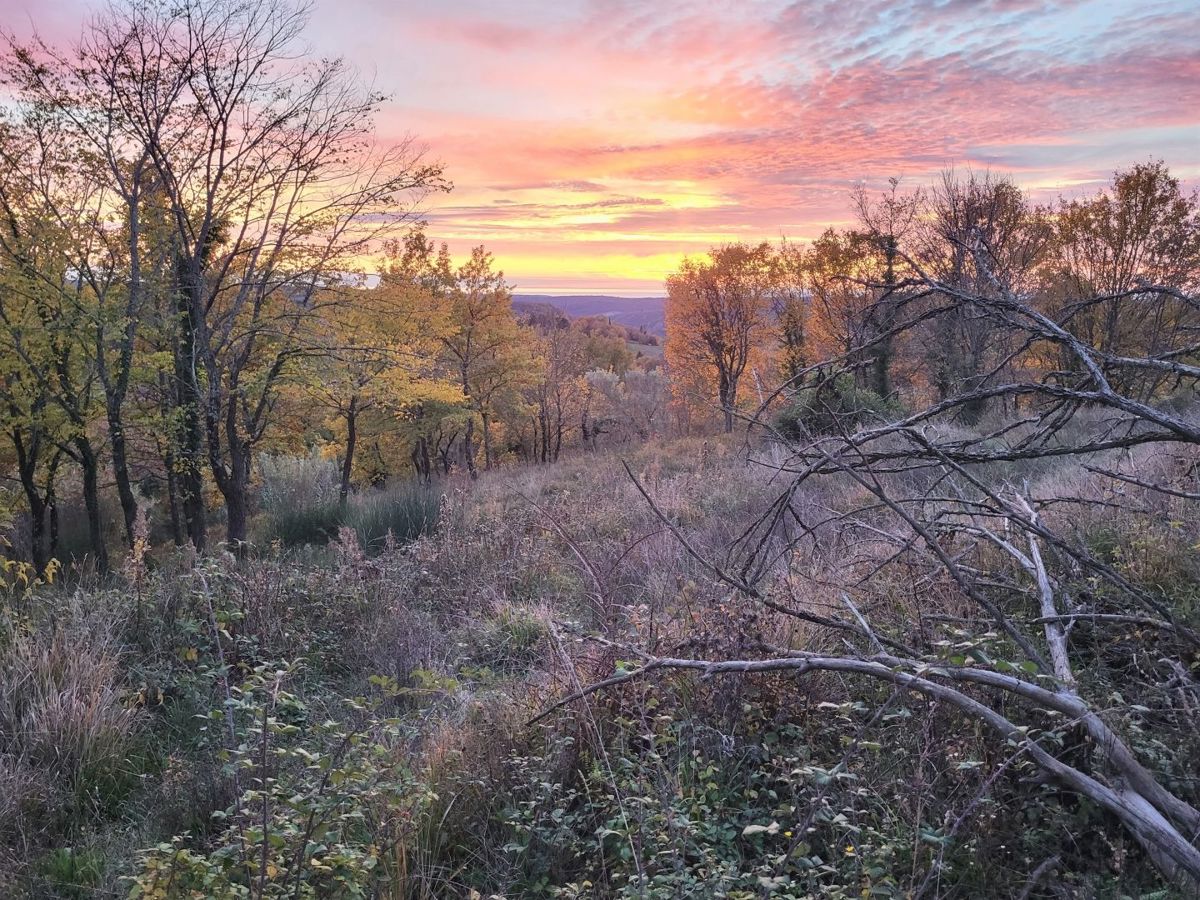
[(727, 394), (348, 459), (191, 483), (189, 400), (468, 447), (190, 479), (27, 458), (52, 508), (235, 488), (120, 464), (544, 424), (90, 465), (426, 467), (487, 440), (37, 530), (881, 368), (420, 459), (558, 431), (177, 534)]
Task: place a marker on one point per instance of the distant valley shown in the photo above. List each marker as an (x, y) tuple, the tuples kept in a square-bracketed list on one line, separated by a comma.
[(636, 312)]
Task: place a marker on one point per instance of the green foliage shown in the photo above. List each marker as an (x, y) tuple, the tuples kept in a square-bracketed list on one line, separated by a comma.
[(72, 872), (678, 812), (324, 809), (834, 406), (510, 642)]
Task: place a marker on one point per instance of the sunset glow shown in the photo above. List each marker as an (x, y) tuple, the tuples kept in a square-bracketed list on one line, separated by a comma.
[(593, 142)]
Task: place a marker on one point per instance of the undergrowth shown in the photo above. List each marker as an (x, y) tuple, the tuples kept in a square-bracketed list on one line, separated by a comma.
[(355, 719)]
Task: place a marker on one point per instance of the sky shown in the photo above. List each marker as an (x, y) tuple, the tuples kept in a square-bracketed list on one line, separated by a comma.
[(593, 143)]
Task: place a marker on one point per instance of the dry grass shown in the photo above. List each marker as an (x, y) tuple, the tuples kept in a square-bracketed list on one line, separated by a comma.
[(67, 724), (480, 623)]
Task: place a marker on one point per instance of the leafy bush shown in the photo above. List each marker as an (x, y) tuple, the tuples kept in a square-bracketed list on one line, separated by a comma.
[(325, 808)]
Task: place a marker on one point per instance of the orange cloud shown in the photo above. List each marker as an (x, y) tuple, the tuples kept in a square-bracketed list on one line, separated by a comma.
[(594, 142)]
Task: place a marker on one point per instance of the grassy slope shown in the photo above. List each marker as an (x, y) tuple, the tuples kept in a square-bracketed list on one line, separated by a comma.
[(675, 788)]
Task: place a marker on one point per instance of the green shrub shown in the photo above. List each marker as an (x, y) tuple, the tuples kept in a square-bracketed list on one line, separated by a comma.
[(834, 406), (72, 872), (511, 642), (326, 809)]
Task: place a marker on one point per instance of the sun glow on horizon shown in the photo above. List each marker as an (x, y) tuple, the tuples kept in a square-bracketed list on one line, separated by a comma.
[(595, 143)]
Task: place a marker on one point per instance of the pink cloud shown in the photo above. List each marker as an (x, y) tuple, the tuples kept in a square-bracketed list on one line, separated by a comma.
[(627, 130)]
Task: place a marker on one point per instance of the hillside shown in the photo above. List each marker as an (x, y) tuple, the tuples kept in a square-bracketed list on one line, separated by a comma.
[(338, 564)]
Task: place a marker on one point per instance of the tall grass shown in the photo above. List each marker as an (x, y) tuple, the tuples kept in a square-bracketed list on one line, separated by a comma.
[(300, 505), (300, 498), (66, 729), (404, 511)]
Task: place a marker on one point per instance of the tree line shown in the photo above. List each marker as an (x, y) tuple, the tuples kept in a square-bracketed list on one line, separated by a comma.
[(205, 254), (859, 295)]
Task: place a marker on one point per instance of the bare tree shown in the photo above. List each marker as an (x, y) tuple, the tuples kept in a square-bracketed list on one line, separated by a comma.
[(965, 348), (888, 219)]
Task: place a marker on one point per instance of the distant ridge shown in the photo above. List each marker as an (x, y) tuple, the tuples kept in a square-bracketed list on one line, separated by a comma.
[(637, 312)]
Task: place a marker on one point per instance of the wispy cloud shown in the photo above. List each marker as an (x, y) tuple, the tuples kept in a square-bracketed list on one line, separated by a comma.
[(593, 142)]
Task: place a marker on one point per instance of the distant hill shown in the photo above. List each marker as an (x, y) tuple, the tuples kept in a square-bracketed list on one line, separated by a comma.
[(637, 312)]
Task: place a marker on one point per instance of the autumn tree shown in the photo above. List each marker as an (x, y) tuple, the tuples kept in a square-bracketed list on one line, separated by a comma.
[(1108, 249), (49, 311), (230, 181), (34, 425), (557, 390), (964, 348), (840, 272), (565, 351), (374, 359), (626, 407), (264, 162), (80, 100), (482, 343), (718, 316)]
